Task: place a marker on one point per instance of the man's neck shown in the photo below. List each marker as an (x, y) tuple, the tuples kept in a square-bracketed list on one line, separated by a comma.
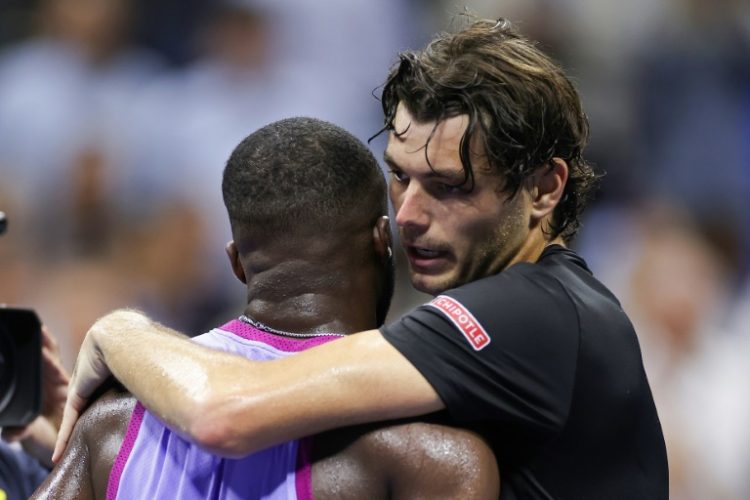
[(326, 303), (533, 248), (306, 315)]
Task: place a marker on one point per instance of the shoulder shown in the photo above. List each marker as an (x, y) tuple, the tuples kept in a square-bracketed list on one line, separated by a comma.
[(413, 460), (501, 348), (524, 298), (103, 427), (106, 418), (84, 468), (525, 303), (524, 284), (428, 447), (527, 300)]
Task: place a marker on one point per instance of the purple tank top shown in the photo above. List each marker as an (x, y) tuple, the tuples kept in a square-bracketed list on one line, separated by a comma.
[(155, 463)]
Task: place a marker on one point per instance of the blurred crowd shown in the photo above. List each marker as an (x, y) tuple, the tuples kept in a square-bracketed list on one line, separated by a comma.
[(116, 118)]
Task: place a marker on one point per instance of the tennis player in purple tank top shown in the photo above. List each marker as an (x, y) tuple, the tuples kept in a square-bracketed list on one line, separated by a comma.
[(153, 459), (307, 205)]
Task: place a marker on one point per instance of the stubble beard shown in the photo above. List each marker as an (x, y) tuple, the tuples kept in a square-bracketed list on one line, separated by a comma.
[(493, 255)]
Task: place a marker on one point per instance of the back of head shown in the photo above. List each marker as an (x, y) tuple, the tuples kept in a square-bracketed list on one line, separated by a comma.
[(302, 178), (522, 108)]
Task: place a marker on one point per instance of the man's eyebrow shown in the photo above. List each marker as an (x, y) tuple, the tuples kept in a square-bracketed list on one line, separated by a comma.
[(389, 160), (451, 174)]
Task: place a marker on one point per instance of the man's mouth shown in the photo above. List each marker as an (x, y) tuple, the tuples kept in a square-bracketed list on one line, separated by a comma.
[(425, 252), (425, 258)]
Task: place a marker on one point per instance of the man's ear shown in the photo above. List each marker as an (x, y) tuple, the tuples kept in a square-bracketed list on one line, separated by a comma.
[(381, 236), (548, 185), (234, 261)]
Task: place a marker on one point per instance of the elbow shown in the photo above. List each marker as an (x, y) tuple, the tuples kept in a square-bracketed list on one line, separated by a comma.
[(224, 416), (210, 434), (213, 428)]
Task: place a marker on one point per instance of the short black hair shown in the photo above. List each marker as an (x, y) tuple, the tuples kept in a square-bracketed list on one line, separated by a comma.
[(299, 175)]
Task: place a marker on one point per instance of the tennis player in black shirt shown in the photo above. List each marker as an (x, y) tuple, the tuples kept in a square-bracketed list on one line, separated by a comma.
[(522, 343)]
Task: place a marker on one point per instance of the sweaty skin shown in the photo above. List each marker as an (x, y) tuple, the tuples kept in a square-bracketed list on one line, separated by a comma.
[(254, 405), (84, 469), (281, 395), (451, 236), (417, 460)]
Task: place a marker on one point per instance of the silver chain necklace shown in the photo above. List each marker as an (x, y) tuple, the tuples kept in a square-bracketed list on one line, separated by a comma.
[(262, 326)]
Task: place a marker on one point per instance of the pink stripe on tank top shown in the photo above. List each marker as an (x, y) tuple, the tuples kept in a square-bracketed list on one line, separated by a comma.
[(127, 446)]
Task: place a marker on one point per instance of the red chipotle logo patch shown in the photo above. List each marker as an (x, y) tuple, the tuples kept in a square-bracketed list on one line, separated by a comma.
[(463, 319)]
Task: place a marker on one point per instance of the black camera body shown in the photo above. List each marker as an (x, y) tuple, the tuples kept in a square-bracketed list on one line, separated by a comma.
[(20, 362), (20, 366)]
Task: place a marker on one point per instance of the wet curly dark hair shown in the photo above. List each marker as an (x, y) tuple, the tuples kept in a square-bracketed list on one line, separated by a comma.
[(522, 108)]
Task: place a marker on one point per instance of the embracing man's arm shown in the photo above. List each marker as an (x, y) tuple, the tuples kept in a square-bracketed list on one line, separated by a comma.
[(233, 406)]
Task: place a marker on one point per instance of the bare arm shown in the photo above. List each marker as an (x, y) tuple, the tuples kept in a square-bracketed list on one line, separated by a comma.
[(454, 463), (232, 406), (432, 462), (84, 469), (405, 461), (71, 478)]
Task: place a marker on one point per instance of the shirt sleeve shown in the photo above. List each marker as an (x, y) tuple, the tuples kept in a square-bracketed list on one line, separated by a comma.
[(501, 349)]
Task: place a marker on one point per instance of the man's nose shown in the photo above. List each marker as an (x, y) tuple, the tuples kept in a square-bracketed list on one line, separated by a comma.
[(412, 208)]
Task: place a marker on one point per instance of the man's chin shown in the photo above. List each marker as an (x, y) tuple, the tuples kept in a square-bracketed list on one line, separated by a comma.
[(432, 285)]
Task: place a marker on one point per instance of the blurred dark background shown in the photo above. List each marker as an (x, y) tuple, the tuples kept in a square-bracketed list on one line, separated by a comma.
[(116, 118)]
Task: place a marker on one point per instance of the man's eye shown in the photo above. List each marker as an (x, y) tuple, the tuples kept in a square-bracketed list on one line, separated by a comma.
[(451, 188), (399, 175)]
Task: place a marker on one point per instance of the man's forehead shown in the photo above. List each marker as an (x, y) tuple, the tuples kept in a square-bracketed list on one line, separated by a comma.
[(407, 140), (406, 126)]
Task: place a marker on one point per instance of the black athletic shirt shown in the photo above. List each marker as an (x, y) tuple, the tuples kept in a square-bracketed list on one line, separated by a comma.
[(542, 361)]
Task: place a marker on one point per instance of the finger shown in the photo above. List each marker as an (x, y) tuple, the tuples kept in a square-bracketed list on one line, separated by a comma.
[(72, 409), (70, 416)]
